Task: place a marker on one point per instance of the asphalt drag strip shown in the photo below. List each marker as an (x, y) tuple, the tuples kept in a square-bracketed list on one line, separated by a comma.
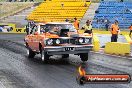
[(20, 72)]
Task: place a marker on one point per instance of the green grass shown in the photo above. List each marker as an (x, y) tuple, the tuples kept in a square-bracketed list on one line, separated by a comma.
[(2, 0), (7, 8)]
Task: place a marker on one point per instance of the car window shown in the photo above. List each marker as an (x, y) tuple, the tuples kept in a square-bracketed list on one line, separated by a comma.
[(50, 27)]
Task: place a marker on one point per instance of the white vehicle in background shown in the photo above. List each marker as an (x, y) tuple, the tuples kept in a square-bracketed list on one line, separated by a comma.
[(5, 28)]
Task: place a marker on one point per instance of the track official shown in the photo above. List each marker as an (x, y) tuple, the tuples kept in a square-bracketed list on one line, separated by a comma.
[(130, 30), (87, 27), (114, 31), (76, 23)]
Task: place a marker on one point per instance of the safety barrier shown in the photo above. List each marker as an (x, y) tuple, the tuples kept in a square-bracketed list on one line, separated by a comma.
[(128, 39), (101, 31), (117, 48), (96, 43), (20, 30)]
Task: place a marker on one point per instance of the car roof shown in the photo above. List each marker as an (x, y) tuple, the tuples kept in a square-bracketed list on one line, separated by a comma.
[(54, 23), (58, 23)]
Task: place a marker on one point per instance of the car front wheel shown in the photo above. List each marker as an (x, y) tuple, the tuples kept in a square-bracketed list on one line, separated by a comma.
[(84, 56), (44, 56), (30, 53)]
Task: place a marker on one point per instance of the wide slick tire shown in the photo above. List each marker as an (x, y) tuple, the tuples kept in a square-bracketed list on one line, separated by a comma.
[(30, 53), (44, 56), (84, 56)]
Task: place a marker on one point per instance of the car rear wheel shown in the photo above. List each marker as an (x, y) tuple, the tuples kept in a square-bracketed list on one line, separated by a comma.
[(44, 56), (84, 56), (65, 55), (30, 53)]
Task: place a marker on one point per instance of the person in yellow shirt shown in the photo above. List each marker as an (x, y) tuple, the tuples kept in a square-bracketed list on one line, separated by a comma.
[(114, 31), (76, 23), (87, 27), (130, 30)]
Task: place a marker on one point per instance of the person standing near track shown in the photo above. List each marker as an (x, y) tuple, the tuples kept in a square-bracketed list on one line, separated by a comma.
[(114, 31), (130, 30), (27, 27), (76, 23), (87, 27)]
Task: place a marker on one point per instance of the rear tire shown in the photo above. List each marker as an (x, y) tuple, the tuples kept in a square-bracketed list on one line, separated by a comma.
[(44, 56), (84, 56), (30, 53), (65, 55)]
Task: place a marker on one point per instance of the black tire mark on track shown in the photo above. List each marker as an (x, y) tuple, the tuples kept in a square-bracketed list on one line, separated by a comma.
[(12, 46)]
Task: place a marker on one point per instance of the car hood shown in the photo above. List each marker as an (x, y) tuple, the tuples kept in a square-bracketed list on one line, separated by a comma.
[(70, 34)]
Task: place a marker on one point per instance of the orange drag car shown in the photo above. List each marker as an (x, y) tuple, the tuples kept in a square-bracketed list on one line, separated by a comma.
[(55, 38)]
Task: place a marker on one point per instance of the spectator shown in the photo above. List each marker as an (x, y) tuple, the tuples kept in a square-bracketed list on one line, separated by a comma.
[(31, 0), (114, 31), (76, 23), (130, 30), (27, 27), (33, 29), (67, 20), (105, 20), (107, 26), (85, 5), (62, 4), (121, 1), (10, 0), (127, 10), (30, 27), (87, 27)]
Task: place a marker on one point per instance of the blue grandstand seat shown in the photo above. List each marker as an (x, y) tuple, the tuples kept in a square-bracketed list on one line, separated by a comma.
[(113, 10)]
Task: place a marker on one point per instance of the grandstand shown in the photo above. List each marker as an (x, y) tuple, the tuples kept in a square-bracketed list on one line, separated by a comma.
[(59, 10), (113, 10)]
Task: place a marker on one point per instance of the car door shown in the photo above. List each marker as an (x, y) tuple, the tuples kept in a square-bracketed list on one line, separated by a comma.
[(36, 42), (30, 41), (33, 42)]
